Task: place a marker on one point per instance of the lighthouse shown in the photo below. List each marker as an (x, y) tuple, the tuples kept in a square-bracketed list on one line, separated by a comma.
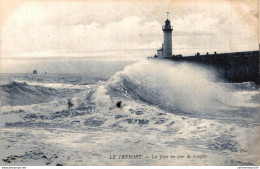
[(166, 50), (167, 36)]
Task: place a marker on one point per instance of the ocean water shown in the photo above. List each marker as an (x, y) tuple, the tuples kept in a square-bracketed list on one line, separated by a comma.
[(171, 114)]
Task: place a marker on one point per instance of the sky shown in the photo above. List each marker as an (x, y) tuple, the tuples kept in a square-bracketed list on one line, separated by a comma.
[(124, 29)]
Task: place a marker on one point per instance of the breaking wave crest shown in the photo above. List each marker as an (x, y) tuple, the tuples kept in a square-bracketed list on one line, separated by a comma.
[(175, 87), (23, 88), (20, 93)]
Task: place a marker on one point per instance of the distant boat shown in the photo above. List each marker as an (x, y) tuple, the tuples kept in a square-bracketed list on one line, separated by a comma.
[(35, 72)]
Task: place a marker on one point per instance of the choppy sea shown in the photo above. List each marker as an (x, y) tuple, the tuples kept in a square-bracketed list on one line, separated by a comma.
[(170, 114)]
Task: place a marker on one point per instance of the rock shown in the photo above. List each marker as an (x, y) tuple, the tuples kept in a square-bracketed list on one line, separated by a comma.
[(6, 160), (59, 164), (44, 156)]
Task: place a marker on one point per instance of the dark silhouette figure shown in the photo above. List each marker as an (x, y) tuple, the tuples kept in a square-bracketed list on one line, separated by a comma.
[(215, 52), (118, 104), (70, 104), (207, 53)]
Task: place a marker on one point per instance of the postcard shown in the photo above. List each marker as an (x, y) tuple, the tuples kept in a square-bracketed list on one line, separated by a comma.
[(130, 83)]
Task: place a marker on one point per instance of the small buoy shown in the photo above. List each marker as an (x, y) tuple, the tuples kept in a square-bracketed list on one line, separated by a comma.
[(118, 104), (70, 104)]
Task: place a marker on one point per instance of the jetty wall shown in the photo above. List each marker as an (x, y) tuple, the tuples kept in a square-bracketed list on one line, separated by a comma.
[(234, 67)]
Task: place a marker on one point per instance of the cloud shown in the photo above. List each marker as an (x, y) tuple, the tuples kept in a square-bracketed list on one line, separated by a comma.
[(91, 28), (129, 33)]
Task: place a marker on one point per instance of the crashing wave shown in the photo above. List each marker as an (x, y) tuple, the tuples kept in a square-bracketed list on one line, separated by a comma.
[(175, 87), (16, 93)]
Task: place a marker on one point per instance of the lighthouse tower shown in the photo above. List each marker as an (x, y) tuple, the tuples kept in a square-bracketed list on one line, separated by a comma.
[(167, 45)]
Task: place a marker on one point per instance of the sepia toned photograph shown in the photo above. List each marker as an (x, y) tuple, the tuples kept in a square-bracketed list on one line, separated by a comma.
[(129, 83)]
